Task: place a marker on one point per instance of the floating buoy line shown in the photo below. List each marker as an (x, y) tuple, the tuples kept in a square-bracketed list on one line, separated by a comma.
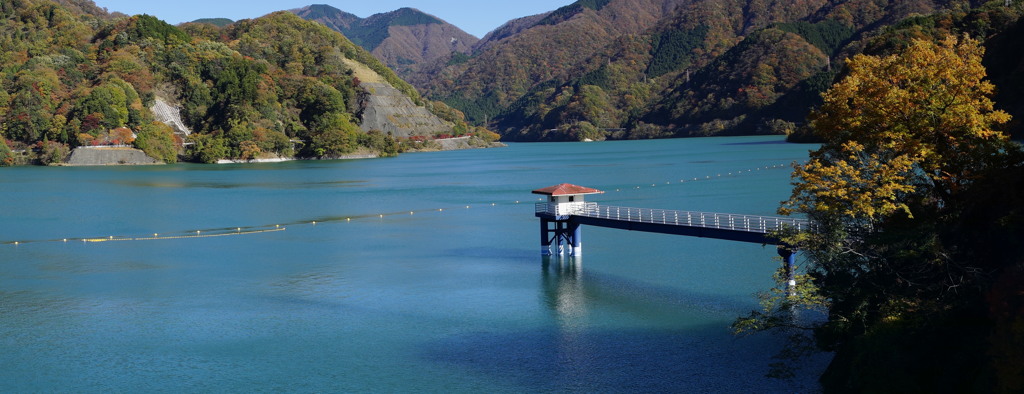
[(252, 230)]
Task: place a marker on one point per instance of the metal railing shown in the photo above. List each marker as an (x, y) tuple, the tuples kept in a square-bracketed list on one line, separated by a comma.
[(565, 209), (723, 221)]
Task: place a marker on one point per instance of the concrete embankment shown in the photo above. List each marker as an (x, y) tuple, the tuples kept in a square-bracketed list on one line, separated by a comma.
[(84, 156)]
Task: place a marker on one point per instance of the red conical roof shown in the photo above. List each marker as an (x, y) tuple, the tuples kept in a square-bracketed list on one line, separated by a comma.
[(566, 189)]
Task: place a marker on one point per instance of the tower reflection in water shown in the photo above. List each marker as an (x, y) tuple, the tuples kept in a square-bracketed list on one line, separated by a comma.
[(562, 280), (564, 293)]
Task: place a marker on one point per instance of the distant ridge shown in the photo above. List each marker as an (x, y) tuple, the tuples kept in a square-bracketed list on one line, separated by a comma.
[(404, 39), (219, 22)]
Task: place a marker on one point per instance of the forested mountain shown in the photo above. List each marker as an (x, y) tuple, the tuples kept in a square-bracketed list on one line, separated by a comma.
[(219, 22), (277, 85), (404, 39), (501, 72), (660, 68)]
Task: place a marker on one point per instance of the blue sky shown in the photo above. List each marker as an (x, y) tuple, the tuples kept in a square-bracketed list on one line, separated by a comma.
[(476, 17)]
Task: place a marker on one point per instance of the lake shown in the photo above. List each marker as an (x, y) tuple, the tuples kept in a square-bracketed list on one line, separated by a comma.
[(420, 273)]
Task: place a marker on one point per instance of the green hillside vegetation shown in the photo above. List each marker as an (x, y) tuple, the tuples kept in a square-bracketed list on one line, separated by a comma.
[(653, 73), (709, 68), (547, 54), (564, 13), (276, 86), (219, 22)]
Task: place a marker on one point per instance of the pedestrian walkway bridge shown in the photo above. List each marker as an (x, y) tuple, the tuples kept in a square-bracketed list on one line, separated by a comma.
[(727, 226), (565, 211)]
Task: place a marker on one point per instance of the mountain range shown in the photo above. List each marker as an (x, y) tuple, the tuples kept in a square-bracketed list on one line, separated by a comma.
[(403, 39), (598, 69), (74, 73)]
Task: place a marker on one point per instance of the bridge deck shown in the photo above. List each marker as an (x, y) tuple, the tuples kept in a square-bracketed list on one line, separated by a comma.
[(727, 226)]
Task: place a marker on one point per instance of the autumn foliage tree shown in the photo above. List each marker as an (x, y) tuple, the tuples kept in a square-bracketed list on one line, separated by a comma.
[(911, 150), (920, 122)]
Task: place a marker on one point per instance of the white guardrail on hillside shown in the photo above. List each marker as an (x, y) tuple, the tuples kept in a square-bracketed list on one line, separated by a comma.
[(723, 221)]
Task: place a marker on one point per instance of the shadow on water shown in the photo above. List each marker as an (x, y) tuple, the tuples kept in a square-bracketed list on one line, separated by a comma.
[(658, 343)]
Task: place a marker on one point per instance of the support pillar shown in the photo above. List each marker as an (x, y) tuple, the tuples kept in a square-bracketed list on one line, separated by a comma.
[(560, 237), (545, 240), (577, 240), (789, 261)]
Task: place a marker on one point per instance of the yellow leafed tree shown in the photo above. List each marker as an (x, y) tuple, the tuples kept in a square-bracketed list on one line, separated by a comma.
[(918, 121)]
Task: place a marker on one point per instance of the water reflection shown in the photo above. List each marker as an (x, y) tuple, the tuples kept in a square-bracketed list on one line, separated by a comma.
[(562, 283)]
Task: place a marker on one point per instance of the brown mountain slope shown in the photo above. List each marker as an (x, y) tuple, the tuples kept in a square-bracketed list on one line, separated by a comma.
[(404, 39), (503, 71), (704, 68)]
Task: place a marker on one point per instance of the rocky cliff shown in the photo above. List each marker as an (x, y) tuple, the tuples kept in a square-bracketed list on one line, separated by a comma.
[(388, 110)]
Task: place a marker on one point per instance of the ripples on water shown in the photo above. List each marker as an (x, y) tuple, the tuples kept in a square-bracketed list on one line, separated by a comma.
[(421, 274)]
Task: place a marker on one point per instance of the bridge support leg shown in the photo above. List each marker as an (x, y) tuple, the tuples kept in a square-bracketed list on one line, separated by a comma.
[(577, 239), (545, 240), (558, 235), (789, 260)]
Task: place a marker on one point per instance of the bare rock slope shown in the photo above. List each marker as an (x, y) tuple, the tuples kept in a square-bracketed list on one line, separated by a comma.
[(388, 110)]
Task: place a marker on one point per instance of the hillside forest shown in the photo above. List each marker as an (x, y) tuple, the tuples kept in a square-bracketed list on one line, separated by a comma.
[(277, 86), (634, 69)]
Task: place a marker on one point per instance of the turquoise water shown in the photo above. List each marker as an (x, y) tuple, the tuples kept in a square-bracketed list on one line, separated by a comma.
[(446, 292)]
